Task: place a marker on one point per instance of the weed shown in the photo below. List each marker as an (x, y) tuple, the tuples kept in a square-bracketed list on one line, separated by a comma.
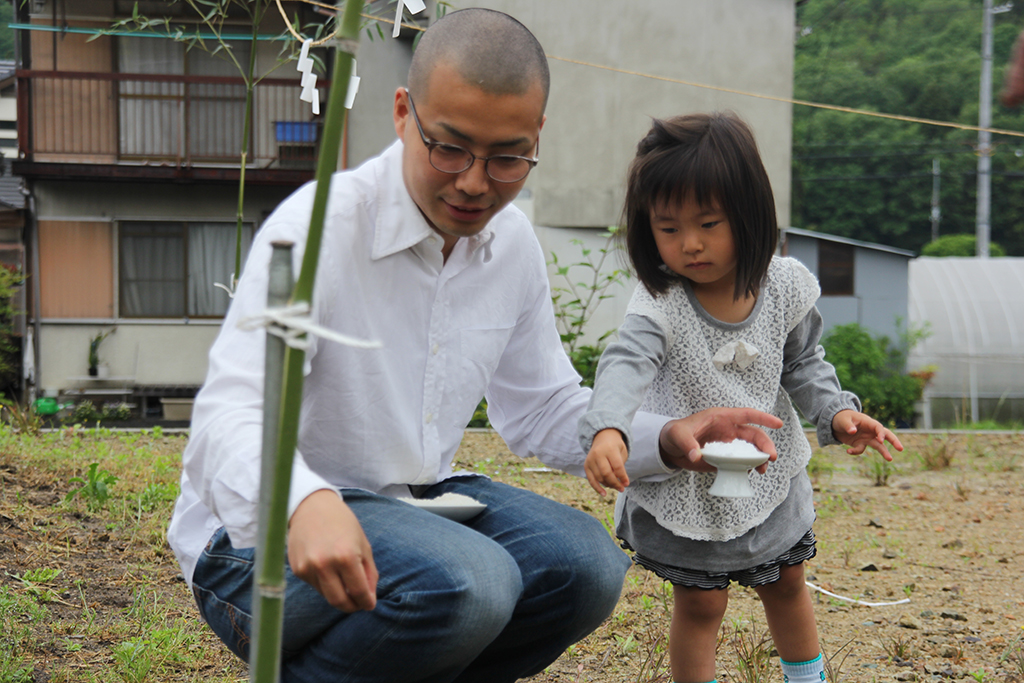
[(936, 454), (961, 490), (23, 420), (879, 470), (94, 487), (653, 667), (897, 647), (157, 493), (1014, 656), (627, 644), (667, 595), (33, 581), (978, 675), (646, 603), (752, 647), (18, 616), (820, 466), (834, 663)]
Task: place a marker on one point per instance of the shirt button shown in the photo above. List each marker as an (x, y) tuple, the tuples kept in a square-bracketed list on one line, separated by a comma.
[(434, 349), (428, 418)]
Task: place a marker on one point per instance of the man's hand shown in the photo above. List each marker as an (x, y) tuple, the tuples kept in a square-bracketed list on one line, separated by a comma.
[(859, 431), (328, 550), (681, 439), (606, 462)]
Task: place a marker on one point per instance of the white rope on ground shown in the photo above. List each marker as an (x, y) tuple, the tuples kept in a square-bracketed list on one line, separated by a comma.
[(854, 600), (293, 325)]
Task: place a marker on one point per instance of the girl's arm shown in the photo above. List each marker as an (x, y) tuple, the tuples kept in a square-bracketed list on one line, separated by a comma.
[(811, 381), (625, 371)]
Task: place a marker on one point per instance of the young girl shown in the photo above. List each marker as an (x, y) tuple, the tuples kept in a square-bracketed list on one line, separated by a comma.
[(719, 321)]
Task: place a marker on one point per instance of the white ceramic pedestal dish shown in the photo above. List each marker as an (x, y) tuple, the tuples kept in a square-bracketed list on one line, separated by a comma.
[(734, 461)]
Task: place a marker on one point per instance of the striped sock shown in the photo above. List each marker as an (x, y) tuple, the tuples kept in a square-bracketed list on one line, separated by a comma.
[(812, 671)]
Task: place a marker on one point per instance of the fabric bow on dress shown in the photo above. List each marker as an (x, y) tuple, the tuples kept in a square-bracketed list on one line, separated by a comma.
[(739, 352)]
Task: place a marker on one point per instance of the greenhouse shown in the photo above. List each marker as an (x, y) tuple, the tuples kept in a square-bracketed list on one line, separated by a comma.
[(974, 310)]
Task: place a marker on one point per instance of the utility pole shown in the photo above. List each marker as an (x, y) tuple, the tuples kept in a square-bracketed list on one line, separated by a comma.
[(982, 225), (984, 136), (936, 210)]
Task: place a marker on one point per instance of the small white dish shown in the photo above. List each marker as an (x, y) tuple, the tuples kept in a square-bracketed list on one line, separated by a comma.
[(453, 506), (734, 461)]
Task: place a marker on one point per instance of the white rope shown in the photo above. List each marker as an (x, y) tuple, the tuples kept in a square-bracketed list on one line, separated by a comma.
[(294, 326), (854, 600)]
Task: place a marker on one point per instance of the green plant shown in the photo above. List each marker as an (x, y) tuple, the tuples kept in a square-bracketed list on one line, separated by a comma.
[(83, 412), (936, 455), (833, 663), (961, 244), (875, 370), (94, 350), (897, 647), (820, 466), (978, 675), (94, 487), (576, 301), (752, 647), (10, 353), (878, 471), (24, 420), (34, 581), (116, 411)]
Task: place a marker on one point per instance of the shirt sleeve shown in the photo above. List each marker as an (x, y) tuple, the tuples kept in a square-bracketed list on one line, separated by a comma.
[(627, 368), (222, 459), (811, 381), (535, 400)]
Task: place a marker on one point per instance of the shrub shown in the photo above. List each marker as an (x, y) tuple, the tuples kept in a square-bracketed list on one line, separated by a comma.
[(962, 244), (874, 369)]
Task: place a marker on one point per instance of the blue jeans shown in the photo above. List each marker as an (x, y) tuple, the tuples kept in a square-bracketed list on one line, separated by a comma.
[(495, 598)]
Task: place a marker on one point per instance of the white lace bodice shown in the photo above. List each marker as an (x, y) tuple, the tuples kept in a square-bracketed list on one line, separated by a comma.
[(709, 364)]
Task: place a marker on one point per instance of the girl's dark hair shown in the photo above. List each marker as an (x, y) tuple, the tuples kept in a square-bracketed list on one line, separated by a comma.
[(713, 159)]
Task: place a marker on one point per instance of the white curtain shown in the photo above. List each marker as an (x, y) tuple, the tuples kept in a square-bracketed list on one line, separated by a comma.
[(151, 113), (152, 270), (211, 259)]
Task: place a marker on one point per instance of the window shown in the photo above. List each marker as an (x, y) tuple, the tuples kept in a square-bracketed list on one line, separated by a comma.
[(168, 270), (835, 268)]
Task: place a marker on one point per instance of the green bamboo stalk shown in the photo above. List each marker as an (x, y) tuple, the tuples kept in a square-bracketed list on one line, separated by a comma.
[(269, 584), (250, 83), (265, 668)]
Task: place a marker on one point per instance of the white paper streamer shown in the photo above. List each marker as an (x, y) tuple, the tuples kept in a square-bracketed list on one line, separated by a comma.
[(290, 323), (415, 7)]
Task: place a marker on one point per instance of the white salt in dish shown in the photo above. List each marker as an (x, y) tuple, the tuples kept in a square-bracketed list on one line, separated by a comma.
[(734, 461), (453, 506)]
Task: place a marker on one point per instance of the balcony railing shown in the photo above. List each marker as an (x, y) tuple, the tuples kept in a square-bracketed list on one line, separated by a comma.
[(119, 118)]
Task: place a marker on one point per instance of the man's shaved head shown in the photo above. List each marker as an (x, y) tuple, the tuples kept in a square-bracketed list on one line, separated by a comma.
[(488, 49)]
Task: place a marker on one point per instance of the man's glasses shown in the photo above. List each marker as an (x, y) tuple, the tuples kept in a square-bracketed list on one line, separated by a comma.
[(504, 168)]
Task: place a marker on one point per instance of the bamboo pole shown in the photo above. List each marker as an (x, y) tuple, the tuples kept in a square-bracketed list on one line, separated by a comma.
[(269, 583), (264, 666)]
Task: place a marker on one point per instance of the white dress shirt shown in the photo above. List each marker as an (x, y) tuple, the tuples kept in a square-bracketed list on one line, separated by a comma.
[(382, 419)]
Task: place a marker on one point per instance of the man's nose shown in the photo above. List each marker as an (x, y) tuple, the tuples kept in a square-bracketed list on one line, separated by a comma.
[(474, 180)]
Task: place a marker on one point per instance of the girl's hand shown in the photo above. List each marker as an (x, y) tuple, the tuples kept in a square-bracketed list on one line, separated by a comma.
[(859, 431), (606, 461)]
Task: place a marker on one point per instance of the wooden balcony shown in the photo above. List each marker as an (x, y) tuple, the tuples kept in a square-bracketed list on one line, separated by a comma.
[(86, 125)]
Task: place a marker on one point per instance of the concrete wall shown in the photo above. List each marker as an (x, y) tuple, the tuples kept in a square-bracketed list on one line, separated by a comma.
[(596, 116), (136, 353)]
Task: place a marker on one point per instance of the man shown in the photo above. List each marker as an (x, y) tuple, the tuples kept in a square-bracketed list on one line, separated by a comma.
[(422, 252)]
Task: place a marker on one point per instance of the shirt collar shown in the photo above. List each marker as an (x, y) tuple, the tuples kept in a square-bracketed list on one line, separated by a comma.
[(400, 223)]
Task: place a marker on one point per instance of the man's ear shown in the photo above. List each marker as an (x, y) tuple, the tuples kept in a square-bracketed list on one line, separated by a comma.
[(401, 112)]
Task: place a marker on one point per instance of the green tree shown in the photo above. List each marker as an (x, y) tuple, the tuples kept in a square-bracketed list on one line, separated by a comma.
[(870, 178), (6, 32), (958, 245)]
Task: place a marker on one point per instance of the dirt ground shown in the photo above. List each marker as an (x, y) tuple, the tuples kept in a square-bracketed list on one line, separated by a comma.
[(948, 539)]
